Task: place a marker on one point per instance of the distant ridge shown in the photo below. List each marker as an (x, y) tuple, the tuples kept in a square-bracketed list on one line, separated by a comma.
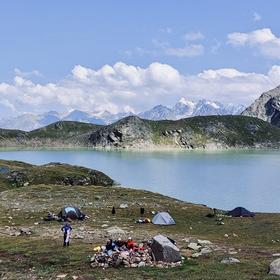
[(182, 109)]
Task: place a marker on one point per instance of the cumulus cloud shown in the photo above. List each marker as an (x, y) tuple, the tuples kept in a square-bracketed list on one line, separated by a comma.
[(263, 40), (121, 87)]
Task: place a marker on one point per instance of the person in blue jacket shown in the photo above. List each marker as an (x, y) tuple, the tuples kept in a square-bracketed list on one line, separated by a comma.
[(66, 234)]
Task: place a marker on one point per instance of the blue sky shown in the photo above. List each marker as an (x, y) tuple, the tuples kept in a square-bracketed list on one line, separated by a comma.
[(43, 41)]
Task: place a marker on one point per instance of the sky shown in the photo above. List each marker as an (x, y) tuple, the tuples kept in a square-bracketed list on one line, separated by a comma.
[(132, 55)]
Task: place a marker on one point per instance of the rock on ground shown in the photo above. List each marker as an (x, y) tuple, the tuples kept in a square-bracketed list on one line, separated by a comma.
[(230, 260), (164, 250), (274, 267)]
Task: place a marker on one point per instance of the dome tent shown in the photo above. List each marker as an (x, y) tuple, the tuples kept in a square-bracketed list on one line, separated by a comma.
[(71, 212), (241, 212), (163, 218)]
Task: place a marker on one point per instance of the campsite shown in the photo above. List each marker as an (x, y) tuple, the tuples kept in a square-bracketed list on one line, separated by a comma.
[(203, 243)]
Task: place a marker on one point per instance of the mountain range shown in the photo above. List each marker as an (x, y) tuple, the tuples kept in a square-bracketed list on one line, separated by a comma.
[(182, 109)]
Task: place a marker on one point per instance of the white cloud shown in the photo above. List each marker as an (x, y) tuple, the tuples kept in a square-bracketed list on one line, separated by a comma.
[(193, 36), (263, 40), (33, 73), (122, 87), (188, 50), (257, 16)]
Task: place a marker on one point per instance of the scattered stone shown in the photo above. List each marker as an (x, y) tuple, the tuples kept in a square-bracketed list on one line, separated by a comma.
[(233, 252), (61, 276), (196, 255), (123, 206), (194, 246), (164, 250), (276, 255), (104, 225), (206, 251), (230, 260), (78, 236), (204, 242), (25, 231)]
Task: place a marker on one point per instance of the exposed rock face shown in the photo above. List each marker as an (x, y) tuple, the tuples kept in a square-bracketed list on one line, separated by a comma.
[(164, 250), (124, 133), (267, 107)]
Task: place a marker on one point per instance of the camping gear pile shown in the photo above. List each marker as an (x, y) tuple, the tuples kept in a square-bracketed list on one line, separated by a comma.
[(159, 252), (67, 213)]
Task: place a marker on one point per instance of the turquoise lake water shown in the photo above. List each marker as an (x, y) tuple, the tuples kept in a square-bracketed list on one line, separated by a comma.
[(218, 179)]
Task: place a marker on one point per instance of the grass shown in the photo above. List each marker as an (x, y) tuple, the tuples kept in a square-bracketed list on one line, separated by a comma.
[(41, 254), (229, 131)]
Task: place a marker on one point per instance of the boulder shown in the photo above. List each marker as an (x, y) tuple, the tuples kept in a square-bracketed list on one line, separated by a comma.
[(164, 250), (25, 231), (116, 232), (274, 267)]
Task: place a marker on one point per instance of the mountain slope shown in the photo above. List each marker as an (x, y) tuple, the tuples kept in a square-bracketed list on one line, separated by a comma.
[(59, 134), (205, 132), (266, 107)]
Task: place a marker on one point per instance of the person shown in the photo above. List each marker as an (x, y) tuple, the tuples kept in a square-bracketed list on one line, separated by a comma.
[(113, 210), (66, 234), (130, 244), (120, 244), (110, 247), (142, 211)]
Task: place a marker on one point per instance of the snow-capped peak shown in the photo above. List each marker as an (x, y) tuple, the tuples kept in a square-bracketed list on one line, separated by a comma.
[(186, 102)]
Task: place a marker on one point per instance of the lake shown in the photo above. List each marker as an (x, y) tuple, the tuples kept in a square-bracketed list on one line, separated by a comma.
[(218, 179)]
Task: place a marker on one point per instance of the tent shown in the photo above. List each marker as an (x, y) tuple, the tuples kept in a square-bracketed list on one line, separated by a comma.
[(163, 218), (71, 212), (241, 212)]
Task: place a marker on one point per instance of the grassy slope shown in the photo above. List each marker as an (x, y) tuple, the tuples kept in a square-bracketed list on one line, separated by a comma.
[(233, 130), (48, 258), (20, 173), (63, 129), (53, 135)]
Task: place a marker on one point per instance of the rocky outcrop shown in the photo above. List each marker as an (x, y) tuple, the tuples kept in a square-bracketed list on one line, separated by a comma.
[(19, 174), (130, 131), (266, 107)]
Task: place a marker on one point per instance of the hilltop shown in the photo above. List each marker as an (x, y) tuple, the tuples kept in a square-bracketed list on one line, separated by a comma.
[(204, 132)]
